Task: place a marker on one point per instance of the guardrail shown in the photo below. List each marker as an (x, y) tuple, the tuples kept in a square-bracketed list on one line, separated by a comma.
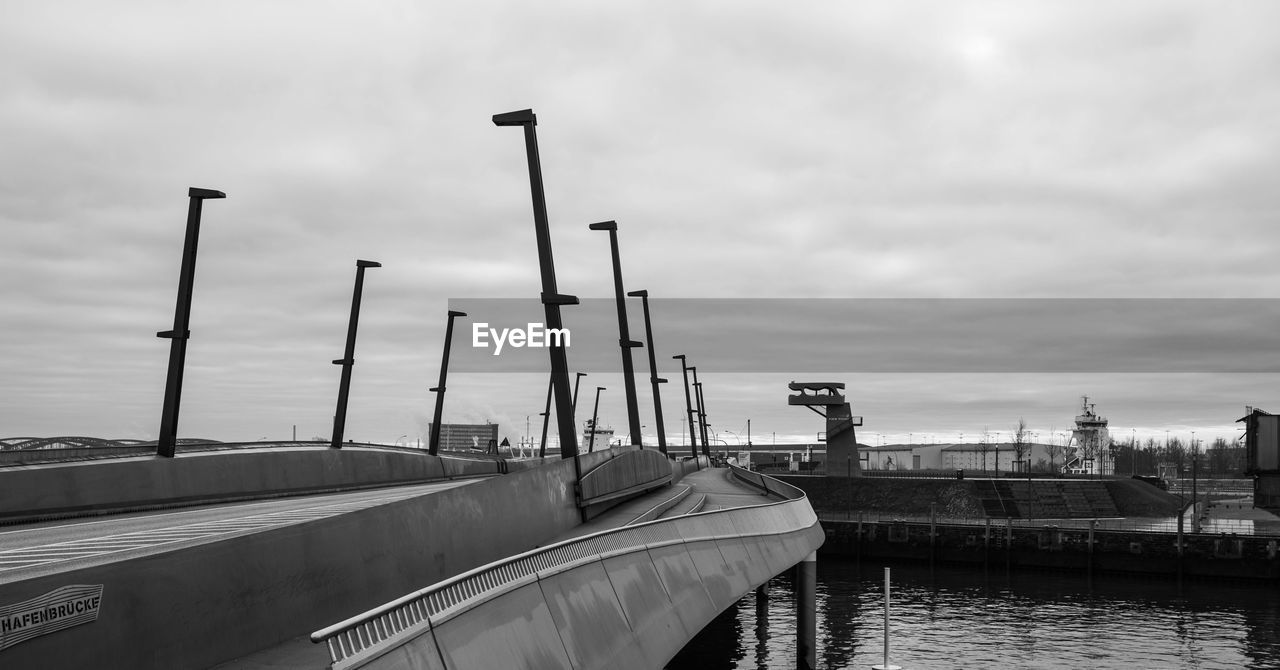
[(1161, 526), (366, 636), (10, 457)]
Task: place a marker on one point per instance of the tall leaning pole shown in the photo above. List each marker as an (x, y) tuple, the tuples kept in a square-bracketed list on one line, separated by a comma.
[(167, 443), (551, 298), (654, 379), (349, 356), (625, 343), (433, 442)]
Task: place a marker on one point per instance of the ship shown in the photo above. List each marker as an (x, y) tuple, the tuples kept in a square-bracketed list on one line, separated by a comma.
[(1089, 451), (603, 436)]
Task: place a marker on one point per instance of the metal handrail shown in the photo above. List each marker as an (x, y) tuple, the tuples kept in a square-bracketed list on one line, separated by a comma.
[(362, 636), (1212, 527)]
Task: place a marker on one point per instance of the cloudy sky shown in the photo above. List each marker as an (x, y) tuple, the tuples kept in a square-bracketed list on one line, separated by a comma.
[(935, 150)]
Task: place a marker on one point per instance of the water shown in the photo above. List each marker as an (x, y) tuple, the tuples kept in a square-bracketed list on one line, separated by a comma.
[(951, 618)]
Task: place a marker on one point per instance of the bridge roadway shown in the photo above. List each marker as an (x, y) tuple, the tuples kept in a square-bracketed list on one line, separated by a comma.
[(624, 598), (705, 490), (52, 547), (196, 587)]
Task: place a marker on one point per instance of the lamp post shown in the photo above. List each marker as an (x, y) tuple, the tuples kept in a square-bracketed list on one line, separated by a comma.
[(348, 358), (624, 337), (433, 446), (688, 405), (546, 419), (574, 405), (551, 298), (595, 415), (654, 379), (702, 411), (167, 441)]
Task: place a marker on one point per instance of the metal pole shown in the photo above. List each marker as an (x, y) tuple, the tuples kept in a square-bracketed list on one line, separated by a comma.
[(654, 379), (573, 407), (807, 612), (887, 600), (551, 299), (625, 343), (595, 416), (886, 665), (167, 441), (433, 446), (1195, 513), (688, 406), (702, 412), (348, 358), (546, 419)]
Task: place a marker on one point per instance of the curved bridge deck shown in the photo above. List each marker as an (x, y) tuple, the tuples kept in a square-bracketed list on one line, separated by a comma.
[(612, 594), (641, 577)]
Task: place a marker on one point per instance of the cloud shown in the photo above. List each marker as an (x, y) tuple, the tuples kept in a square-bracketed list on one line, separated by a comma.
[(920, 150)]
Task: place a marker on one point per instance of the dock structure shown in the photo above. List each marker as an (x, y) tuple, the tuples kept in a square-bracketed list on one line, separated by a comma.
[(842, 441)]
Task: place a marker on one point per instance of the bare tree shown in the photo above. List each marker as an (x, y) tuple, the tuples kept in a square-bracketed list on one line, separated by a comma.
[(983, 448), (1054, 449), (1020, 444)]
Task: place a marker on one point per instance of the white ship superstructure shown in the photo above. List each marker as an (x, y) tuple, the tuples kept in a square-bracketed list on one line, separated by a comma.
[(1089, 452), (603, 437)]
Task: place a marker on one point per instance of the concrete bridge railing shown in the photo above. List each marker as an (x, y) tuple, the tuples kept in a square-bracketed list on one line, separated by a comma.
[(627, 474), (625, 598)]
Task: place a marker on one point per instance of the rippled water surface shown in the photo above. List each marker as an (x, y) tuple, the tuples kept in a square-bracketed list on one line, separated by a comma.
[(948, 618)]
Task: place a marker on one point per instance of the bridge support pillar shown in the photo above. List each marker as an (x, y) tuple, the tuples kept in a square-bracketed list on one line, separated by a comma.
[(762, 611), (807, 613)]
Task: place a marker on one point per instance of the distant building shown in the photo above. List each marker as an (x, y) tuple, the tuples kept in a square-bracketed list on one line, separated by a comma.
[(467, 436), (1262, 456), (903, 457), (995, 457), (946, 456)]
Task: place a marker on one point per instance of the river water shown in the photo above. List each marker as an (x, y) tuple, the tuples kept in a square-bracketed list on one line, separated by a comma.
[(962, 618)]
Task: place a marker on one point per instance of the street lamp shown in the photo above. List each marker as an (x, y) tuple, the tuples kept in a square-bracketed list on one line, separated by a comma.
[(167, 441), (349, 355), (624, 337), (688, 405), (574, 405), (595, 416), (702, 417), (433, 446), (654, 379), (546, 420), (551, 298), (702, 410)]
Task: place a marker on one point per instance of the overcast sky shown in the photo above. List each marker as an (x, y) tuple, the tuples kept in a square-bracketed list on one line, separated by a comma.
[(747, 150)]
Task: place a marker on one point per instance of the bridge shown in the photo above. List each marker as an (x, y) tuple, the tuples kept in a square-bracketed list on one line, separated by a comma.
[(301, 556)]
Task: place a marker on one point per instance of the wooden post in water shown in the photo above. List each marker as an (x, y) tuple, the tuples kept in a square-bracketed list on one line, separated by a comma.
[(986, 545), (807, 612), (858, 543), (762, 611), (933, 532), (1180, 546), (1093, 523), (1008, 544)]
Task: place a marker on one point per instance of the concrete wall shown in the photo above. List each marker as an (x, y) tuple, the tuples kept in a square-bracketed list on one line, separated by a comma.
[(203, 605), (33, 491), (642, 467), (633, 606), (1002, 547)]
